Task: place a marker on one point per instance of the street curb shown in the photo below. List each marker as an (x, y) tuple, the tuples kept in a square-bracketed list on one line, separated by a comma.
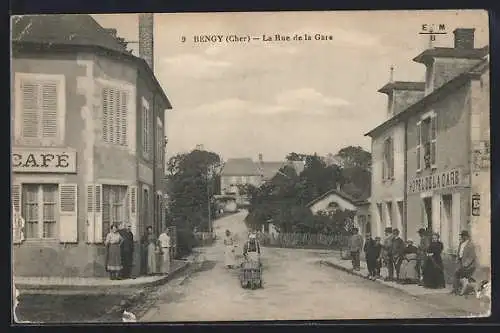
[(130, 300)]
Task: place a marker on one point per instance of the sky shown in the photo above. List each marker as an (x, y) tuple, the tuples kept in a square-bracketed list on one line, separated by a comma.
[(275, 97)]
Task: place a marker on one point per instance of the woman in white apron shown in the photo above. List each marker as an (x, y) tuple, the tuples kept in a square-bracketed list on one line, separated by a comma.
[(229, 252)]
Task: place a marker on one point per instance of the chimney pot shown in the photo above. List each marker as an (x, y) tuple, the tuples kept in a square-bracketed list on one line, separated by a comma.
[(464, 38)]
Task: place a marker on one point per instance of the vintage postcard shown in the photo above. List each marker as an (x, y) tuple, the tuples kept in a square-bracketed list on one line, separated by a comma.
[(204, 167)]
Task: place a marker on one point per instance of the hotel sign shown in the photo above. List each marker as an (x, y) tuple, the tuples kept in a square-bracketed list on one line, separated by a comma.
[(435, 181), (44, 161)]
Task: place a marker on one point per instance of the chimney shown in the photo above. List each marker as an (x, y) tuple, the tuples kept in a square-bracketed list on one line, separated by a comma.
[(464, 38), (146, 28)]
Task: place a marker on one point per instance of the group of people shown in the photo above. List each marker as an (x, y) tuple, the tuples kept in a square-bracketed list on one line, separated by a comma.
[(120, 252), (407, 263), (251, 249)]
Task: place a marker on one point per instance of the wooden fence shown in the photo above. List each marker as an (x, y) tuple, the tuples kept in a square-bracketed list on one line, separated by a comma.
[(304, 240)]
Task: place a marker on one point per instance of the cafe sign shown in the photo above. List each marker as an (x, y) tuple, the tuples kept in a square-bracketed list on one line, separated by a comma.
[(48, 160), (435, 181)]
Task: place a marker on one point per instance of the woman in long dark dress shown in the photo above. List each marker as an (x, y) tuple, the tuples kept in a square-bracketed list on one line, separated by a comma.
[(433, 266)]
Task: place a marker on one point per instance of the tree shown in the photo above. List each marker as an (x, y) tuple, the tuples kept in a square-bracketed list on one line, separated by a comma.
[(355, 156), (193, 180)]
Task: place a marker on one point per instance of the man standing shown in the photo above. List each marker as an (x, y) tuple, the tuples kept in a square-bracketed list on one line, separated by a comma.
[(387, 254), (127, 251), (165, 244), (355, 246), (371, 255), (422, 253), (466, 258), (397, 252)]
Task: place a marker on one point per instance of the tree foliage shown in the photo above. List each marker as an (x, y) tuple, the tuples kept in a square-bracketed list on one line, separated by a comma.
[(283, 200), (193, 180)]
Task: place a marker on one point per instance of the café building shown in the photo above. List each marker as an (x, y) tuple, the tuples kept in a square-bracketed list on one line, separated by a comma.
[(87, 143)]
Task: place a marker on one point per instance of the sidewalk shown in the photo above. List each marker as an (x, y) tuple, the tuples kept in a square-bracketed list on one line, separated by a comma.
[(467, 304), (97, 285)]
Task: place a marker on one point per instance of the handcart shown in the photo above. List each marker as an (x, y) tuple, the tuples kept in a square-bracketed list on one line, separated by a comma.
[(251, 274)]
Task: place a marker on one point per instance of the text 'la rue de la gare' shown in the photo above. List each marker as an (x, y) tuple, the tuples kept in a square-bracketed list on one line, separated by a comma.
[(234, 38)]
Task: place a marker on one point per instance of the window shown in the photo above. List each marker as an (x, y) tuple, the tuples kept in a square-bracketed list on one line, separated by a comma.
[(145, 208), (159, 142), (114, 116), (426, 144), (40, 210), (146, 129), (114, 207), (40, 107), (388, 160)]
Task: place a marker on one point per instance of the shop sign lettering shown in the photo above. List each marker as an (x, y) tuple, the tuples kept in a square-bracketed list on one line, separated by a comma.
[(476, 204), (435, 181), (50, 161)]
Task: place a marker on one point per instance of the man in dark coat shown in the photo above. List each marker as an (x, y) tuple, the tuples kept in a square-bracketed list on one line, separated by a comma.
[(127, 250), (398, 251), (372, 254)]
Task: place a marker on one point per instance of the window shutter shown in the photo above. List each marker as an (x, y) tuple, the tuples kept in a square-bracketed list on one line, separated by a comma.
[(419, 146), (17, 220), (30, 115), (124, 118), (49, 109), (98, 237), (433, 140), (90, 213), (132, 207), (392, 158), (106, 114), (68, 213)]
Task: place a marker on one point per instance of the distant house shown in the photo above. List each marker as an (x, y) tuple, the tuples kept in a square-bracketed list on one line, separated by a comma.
[(337, 199), (243, 171)]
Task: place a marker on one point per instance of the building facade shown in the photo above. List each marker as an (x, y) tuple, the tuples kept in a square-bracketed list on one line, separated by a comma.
[(88, 140), (446, 146), (389, 159)]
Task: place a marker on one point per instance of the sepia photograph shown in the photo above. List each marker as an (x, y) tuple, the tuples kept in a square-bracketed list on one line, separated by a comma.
[(250, 166)]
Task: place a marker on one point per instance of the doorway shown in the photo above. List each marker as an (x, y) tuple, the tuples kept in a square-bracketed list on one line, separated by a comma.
[(427, 213), (446, 220)]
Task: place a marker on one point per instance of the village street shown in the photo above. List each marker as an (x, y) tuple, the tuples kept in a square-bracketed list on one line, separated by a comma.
[(296, 287)]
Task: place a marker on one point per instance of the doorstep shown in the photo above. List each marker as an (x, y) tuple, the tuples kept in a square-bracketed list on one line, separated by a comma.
[(91, 285)]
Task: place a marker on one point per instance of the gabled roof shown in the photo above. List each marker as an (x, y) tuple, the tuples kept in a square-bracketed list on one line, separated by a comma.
[(450, 52), (341, 194), (73, 33), (434, 96), (74, 29), (240, 167), (269, 169), (402, 85)]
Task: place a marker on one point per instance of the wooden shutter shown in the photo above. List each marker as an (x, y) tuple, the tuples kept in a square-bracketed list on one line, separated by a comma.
[(30, 127), (123, 118), (106, 114), (90, 213), (98, 236), (49, 105), (132, 208), (17, 221), (68, 213), (392, 157), (433, 140), (419, 146)]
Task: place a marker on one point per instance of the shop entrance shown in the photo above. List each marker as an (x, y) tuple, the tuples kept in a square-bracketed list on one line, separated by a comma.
[(427, 212), (446, 220)]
